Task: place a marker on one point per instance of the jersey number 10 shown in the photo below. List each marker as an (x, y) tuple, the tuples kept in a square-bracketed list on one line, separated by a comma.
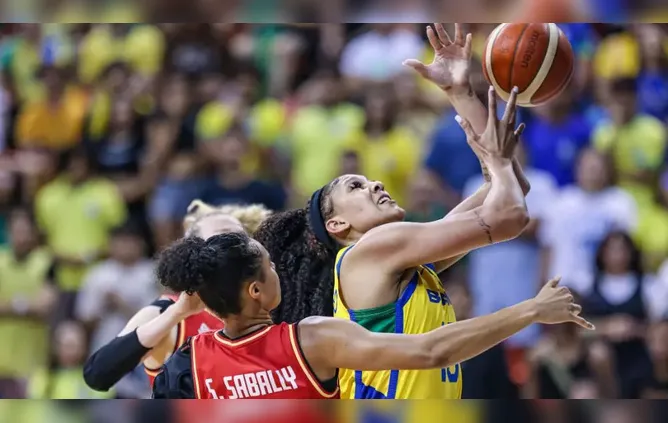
[(446, 374)]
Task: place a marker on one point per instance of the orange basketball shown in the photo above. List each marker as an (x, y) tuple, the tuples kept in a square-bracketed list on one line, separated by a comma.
[(537, 58)]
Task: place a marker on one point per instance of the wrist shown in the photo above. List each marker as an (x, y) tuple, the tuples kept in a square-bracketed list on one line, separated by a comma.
[(497, 163), (459, 93), (531, 310), (178, 312)]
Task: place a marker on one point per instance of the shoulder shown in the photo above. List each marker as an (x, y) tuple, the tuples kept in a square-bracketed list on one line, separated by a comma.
[(50, 189), (103, 186), (650, 124)]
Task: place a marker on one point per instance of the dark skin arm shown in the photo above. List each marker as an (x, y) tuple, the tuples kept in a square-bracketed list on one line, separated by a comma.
[(330, 343)]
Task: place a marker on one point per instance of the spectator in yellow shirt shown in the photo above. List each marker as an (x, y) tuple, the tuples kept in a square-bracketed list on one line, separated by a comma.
[(388, 152), (56, 120), (636, 142), (64, 378), (651, 236), (319, 132), (26, 298), (77, 212), (140, 46)]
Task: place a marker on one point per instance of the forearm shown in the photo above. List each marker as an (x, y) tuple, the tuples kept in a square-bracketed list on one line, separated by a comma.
[(113, 361), (470, 203), (150, 334), (460, 341), (505, 192), (468, 106)]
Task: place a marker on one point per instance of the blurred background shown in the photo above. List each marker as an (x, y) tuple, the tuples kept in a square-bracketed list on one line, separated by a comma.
[(135, 411), (108, 131)]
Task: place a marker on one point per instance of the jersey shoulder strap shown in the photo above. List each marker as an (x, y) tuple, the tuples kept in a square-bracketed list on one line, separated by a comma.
[(175, 380)]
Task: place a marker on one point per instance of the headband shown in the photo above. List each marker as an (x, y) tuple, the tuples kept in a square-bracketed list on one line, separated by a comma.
[(318, 223)]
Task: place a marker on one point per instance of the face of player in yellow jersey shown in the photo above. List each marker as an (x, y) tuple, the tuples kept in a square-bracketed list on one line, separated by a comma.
[(356, 205)]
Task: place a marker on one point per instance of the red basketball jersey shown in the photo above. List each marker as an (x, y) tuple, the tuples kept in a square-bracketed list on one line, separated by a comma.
[(282, 411), (264, 364), (201, 322)]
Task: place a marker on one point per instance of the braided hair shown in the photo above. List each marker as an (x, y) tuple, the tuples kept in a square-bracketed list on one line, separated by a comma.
[(304, 257)]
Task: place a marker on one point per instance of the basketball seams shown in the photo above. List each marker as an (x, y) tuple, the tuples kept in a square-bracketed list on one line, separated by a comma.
[(512, 58), (564, 83), (488, 62), (525, 96), (548, 55)]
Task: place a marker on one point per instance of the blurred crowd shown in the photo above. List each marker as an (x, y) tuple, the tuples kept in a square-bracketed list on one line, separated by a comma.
[(107, 132)]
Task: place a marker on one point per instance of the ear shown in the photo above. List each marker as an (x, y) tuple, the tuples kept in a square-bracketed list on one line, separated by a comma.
[(336, 226), (254, 290)]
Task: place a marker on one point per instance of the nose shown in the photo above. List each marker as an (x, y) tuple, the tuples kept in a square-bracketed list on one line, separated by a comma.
[(377, 186)]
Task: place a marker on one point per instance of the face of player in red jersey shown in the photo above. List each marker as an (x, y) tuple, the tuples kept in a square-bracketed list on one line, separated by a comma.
[(266, 293)]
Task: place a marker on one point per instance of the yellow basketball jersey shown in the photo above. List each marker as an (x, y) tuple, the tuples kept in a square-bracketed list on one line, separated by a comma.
[(421, 307), (428, 411)]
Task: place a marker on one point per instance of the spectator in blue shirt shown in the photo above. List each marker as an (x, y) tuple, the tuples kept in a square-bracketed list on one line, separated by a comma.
[(555, 134), (653, 78), (450, 158)]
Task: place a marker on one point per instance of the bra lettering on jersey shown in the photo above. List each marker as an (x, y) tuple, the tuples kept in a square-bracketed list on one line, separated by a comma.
[(259, 384), (438, 297)]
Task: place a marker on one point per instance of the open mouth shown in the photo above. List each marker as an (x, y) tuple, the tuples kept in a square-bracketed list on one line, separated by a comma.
[(384, 199)]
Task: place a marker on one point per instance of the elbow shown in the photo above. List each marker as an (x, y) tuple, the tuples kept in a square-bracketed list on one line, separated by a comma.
[(512, 222), (435, 355)]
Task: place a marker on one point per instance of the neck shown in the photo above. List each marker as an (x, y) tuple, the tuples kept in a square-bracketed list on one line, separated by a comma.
[(238, 326)]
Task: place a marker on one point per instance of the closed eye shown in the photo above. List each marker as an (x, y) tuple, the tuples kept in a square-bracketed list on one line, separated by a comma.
[(355, 185)]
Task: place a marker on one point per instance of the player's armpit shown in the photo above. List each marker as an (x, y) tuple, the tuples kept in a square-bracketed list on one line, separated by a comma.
[(403, 245)]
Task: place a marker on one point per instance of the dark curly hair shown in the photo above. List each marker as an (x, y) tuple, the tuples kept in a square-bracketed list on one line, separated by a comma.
[(304, 264), (215, 269)]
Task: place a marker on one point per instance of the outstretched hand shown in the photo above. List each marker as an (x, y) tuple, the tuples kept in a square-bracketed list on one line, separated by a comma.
[(500, 137), (554, 305), (451, 66)]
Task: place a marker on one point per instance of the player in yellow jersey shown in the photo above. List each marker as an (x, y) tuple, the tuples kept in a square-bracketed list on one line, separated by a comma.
[(350, 243)]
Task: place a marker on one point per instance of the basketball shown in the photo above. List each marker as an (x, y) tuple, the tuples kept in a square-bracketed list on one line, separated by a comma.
[(537, 58)]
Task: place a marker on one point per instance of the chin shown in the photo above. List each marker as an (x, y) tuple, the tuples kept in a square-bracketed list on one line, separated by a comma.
[(396, 214)]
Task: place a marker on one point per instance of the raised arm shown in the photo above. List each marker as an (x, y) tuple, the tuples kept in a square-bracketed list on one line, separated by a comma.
[(336, 343), (450, 71), (148, 337), (502, 215)]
